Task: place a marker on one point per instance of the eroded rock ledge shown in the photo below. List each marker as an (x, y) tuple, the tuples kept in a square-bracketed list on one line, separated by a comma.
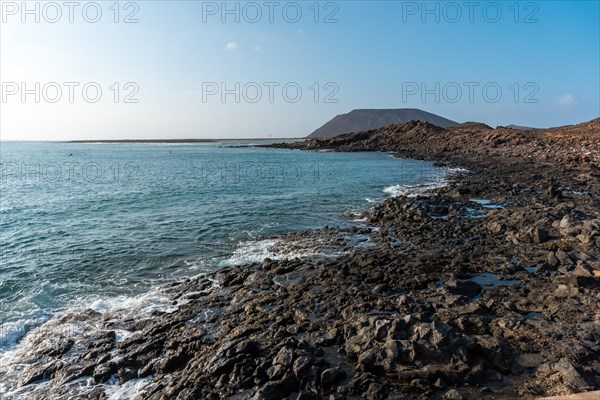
[(486, 288)]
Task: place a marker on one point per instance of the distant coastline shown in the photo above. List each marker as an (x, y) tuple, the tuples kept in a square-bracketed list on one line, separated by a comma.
[(180, 140)]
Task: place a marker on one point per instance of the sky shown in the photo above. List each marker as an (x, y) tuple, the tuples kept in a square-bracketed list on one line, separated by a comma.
[(197, 69)]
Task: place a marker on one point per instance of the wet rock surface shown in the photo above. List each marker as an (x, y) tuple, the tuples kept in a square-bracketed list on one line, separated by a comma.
[(440, 304)]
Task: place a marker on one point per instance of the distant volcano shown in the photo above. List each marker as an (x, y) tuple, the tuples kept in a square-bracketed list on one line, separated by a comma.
[(366, 119)]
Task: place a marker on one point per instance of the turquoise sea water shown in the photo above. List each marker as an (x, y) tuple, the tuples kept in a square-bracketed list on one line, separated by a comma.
[(86, 223)]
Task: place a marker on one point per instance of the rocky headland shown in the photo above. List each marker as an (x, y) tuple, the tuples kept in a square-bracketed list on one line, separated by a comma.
[(487, 288)]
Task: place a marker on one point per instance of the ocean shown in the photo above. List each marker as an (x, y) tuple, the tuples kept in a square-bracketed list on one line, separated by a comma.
[(97, 225)]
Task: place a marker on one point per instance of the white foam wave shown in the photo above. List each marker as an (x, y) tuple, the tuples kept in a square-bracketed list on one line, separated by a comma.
[(12, 332), (413, 190), (73, 323), (129, 390), (422, 189), (358, 217), (251, 252), (141, 305), (458, 170), (257, 250)]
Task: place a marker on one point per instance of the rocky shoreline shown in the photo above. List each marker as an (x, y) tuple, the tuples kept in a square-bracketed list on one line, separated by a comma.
[(487, 288)]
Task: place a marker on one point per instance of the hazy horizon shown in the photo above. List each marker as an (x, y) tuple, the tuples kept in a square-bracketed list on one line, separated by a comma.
[(213, 139)]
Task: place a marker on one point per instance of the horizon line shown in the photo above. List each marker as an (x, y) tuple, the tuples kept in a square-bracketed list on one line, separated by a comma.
[(184, 140)]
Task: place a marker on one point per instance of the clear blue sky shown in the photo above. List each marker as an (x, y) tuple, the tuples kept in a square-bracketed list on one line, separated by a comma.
[(544, 56)]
